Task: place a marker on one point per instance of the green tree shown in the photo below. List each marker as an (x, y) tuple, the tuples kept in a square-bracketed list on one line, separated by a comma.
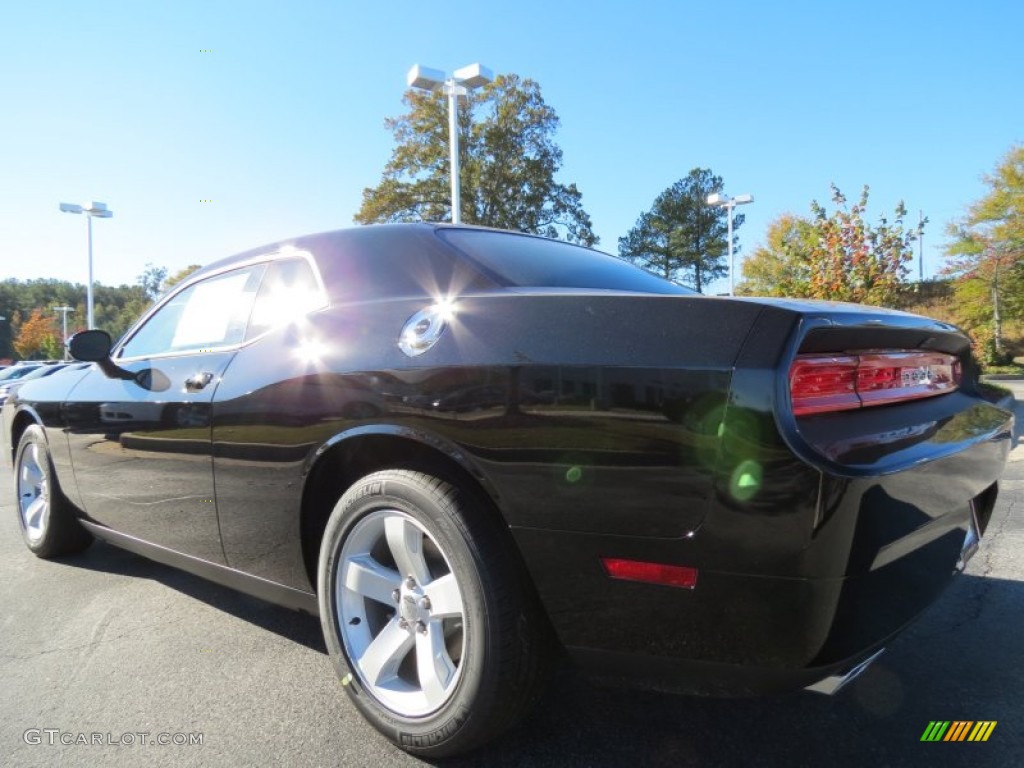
[(178, 276), (681, 237), (508, 161), (986, 253), (854, 261), (151, 281), (782, 266)]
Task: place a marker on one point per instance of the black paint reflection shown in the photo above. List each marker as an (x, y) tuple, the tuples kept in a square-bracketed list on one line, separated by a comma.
[(142, 454)]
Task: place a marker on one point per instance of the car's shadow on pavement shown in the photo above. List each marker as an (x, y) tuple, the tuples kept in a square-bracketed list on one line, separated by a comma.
[(292, 625), (962, 661)]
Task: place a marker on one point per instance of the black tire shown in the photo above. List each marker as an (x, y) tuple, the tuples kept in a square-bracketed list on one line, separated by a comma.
[(487, 665), (46, 518)]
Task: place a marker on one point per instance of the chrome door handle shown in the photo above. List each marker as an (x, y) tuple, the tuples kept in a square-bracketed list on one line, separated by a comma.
[(198, 381)]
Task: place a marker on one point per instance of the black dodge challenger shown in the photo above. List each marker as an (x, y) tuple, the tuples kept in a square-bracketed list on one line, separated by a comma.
[(469, 450)]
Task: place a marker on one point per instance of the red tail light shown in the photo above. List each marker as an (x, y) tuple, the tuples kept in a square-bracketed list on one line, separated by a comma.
[(820, 383)]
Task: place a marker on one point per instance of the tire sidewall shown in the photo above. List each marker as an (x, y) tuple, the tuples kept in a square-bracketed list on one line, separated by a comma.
[(390, 490)]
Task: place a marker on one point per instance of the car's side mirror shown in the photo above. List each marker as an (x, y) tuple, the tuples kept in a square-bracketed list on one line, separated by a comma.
[(90, 346), (94, 346)]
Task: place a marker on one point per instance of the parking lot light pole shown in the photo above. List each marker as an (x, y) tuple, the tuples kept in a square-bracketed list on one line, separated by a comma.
[(64, 326), (459, 84), (99, 211), (722, 200)]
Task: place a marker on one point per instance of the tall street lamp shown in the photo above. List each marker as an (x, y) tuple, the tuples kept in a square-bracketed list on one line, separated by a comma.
[(99, 211), (460, 83), (64, 325), (722, 200)]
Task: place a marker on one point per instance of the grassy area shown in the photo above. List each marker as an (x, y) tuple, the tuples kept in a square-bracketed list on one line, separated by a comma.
[(1012, 369), (993, 392)]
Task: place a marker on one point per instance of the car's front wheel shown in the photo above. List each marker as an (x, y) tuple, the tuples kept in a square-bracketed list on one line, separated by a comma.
[(426, 614), (47, 520)]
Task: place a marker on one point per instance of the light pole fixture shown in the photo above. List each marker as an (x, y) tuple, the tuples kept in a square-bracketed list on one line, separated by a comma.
[(722, 200), (461, 82), (99, 211), (64, 326)]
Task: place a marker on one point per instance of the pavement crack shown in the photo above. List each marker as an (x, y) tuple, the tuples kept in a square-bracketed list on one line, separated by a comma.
[(100, 637)]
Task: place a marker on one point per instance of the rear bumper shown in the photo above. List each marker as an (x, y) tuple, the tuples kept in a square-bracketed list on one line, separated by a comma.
[(786, 594), (736, 635), (672, 675)]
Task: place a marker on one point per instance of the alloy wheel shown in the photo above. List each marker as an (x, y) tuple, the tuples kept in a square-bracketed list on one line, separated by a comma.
[(33, 493), (400, 613)]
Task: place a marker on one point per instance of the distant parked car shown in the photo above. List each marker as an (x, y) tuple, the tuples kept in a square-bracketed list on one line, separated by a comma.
[(9, 386), (17, 371), (464, 447)]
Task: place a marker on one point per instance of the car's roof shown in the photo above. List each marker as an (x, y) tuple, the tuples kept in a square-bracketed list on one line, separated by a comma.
[(409, 259), (373, 235)]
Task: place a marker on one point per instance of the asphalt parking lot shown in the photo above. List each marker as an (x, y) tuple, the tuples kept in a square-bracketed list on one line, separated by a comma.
[(112, 644)]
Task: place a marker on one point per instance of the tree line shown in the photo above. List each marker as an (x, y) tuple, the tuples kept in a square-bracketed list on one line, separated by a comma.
[(32, 329)]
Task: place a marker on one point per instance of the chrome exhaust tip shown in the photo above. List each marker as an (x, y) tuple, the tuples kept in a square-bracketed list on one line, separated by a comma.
[(830, 685)]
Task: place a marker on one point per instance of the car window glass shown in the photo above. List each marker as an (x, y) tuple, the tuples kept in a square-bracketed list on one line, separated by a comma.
[(211, 313), (376, 263), (538, 262), (289, 290)]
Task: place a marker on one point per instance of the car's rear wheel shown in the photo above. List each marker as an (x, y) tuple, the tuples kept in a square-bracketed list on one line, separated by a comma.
[(47, 520), (426, 614)]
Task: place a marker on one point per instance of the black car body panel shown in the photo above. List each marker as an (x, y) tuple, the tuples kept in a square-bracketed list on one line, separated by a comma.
[(653, 426)]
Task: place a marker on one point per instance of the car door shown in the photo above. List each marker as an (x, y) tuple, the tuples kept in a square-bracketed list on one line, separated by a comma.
[(140, 430)]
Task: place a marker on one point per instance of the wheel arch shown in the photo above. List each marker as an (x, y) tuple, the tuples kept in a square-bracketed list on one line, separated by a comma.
[(23, 419), (353, 454)]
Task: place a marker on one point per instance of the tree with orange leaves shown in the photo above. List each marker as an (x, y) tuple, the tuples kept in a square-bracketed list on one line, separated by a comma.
[(854, 261), (39, 337)]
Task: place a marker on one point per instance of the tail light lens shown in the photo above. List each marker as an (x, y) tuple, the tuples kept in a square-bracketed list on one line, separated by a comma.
[(821, 383)]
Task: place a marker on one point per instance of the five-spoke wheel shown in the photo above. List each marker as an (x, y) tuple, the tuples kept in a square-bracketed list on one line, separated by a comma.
[(33, 492), (400, 612), (47, 520), (426, 612)]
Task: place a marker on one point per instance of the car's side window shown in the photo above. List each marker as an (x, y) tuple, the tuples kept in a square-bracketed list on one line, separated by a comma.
[(289, 290), (209, 314)]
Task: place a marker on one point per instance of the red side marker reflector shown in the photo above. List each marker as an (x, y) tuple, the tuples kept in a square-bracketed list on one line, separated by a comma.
[(651, 573)]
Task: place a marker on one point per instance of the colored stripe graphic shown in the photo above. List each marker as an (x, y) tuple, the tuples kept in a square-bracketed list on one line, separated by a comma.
[(935, 730), (982, 730), (958, 730)]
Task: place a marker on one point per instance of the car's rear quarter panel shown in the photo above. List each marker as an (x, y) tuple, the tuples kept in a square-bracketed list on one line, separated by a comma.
[(570, 404), (824, 535), (612, 425)]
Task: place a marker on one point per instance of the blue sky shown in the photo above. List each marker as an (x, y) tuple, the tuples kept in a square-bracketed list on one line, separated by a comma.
[(281, 124)]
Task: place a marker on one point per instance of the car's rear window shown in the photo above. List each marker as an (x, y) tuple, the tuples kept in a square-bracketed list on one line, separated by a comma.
[(387, 262), (535, 262)]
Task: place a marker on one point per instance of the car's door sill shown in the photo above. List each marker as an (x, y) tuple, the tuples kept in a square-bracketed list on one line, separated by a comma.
[(271, 591)]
